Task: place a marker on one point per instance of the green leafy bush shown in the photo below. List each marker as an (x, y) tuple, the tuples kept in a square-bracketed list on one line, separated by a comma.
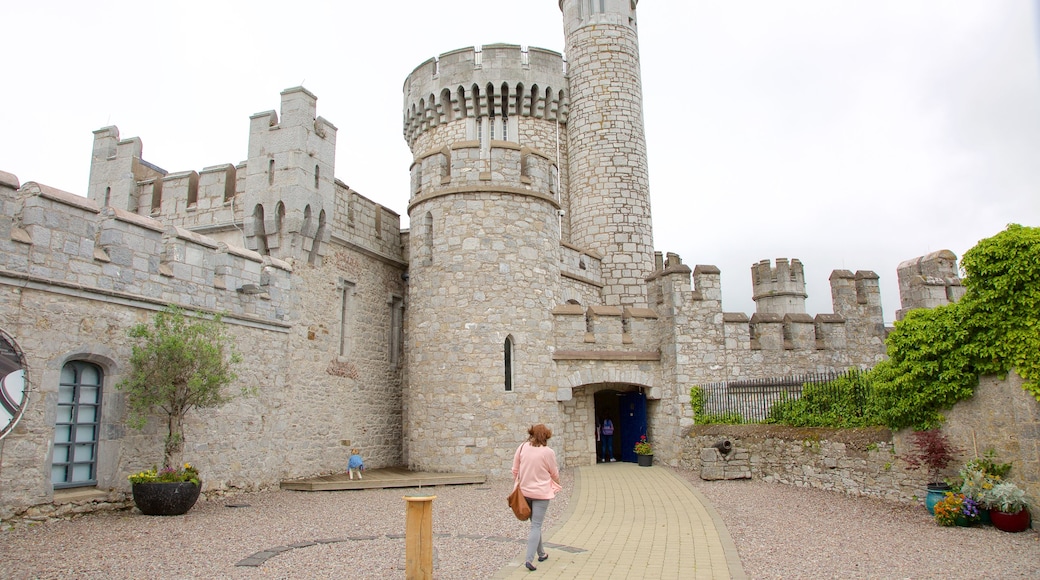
[(937, 355), (842, 403), (697, 400)]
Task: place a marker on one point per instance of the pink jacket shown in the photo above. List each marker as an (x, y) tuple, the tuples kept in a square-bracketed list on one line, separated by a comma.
[(536, 468)]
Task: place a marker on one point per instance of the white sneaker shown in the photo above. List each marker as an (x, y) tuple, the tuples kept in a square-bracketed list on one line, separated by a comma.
[(612, 460)]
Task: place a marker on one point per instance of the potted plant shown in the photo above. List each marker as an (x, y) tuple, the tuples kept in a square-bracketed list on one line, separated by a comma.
[(644, 452), (932, 450), (956, 509), (179, 362), (1009, 508), (978, 476)]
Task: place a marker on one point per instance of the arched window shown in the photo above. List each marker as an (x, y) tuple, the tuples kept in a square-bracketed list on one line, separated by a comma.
[(77, 425), (508, 360)]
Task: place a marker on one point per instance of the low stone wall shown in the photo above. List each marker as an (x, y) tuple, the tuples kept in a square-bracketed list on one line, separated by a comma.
[(852, 461), (1001, 416)]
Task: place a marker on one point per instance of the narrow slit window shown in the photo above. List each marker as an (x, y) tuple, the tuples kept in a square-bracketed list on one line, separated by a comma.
[(346, 315), (508, 363)]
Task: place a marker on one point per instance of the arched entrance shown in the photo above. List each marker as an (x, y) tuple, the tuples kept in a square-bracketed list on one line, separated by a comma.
[(627, 410)]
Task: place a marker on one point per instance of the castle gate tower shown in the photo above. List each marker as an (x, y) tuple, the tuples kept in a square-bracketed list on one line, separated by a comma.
[(609, 208), (484, 126)]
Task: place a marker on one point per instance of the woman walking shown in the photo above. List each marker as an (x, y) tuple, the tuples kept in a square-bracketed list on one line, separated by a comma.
[(534, 465)]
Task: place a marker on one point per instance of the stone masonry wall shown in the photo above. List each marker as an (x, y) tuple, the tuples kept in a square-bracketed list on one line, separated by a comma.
[(74, 278), (1001, 416)]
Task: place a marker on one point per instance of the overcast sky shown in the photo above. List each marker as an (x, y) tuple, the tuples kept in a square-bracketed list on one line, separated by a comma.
[(850, 135)]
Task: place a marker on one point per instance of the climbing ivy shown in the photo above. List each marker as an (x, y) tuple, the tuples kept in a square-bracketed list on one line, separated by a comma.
[(937, 355)]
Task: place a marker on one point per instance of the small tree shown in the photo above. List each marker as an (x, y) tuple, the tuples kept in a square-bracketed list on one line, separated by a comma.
[(179, 363), (932, 451)]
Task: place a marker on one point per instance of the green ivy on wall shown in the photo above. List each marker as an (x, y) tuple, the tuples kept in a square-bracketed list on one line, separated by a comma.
[(937, 355)]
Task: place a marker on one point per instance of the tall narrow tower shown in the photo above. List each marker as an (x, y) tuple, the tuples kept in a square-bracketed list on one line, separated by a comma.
[(609, 188)]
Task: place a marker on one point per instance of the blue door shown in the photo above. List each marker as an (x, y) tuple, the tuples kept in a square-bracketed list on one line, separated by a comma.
[(632, 408)]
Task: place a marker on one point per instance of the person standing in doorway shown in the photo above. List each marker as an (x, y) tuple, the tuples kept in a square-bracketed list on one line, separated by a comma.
[(534, 465), (606, 432)]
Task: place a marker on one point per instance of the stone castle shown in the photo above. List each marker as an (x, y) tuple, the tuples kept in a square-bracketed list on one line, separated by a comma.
[(525, 290)]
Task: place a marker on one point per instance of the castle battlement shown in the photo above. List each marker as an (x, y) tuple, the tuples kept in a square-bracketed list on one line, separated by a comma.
[(928, 281), (497, 80), (284, 201), (107, 253), (779, 289), (464, 167), (856, 319)]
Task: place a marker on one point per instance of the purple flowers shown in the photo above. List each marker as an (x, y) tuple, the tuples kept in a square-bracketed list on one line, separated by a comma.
[(970, 509)]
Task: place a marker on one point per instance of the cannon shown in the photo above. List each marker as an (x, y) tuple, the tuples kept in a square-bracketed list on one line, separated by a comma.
[(724, 446)]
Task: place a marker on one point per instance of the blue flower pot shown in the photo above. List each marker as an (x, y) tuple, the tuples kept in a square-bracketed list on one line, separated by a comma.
[(936, 492)]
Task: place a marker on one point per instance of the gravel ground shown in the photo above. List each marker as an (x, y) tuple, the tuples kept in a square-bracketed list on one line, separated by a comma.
[(779, 531)]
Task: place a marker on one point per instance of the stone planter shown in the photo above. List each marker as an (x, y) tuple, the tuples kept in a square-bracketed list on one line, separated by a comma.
[(165, 499), (645, 460)]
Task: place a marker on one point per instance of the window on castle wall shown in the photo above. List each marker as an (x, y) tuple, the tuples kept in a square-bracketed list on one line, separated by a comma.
[(396, 330), (270, 172), (508, 363), (317, 172), (76, 426), (346, 315), (426, 250)]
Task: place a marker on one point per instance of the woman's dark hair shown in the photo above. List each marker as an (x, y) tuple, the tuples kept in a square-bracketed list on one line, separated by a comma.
[(539, 434)]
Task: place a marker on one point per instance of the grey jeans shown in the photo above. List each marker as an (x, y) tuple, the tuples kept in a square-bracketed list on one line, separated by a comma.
[(534, 538)]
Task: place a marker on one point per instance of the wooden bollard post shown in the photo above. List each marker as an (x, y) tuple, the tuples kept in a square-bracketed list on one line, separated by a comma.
[(418, 537)]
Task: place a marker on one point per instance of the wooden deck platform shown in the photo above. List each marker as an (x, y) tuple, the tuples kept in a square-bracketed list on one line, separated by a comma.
[(380, 479)]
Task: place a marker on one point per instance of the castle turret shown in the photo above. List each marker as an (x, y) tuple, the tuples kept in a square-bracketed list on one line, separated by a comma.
[(290, 179), (779, 290), (116, 167), (484, 253), (928, 281), (609, 206)]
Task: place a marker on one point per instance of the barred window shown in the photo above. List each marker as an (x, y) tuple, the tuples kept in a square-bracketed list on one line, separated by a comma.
[(76, 428)]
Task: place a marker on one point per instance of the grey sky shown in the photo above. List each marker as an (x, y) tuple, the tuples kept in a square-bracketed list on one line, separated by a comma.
[(850, 135)]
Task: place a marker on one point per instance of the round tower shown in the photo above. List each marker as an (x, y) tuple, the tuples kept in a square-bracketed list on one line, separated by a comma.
[(609, 208), (779, 290), (484, 126)]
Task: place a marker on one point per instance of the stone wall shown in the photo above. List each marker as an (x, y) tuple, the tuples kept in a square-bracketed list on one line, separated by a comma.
[(868, 462), (316, 343)]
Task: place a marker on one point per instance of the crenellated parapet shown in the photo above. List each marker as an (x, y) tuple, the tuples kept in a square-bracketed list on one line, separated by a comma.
[(111, 254), (779, 289), (464, 168), (582, 331), (928, 281), (498, 80), (853, 333)]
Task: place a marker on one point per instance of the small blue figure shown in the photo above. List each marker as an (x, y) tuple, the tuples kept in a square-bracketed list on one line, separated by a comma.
[(355, 464)]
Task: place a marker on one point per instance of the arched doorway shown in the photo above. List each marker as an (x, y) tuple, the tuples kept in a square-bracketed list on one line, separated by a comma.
[(627, 410)]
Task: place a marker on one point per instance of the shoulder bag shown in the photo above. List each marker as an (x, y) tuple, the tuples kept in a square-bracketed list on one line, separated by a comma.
[(517, 501)]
